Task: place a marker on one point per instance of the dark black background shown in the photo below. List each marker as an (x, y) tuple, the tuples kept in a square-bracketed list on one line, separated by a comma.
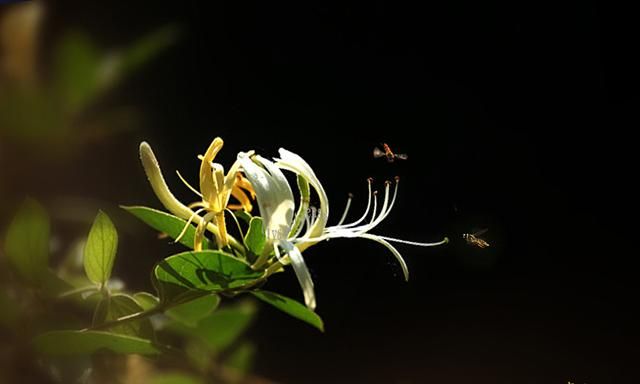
[(516, 117)]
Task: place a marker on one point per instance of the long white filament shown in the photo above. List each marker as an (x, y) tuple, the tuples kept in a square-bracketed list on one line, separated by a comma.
[(346, 210), (366, 212)]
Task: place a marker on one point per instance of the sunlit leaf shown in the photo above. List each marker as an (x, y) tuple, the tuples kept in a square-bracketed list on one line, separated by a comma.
[(175, 378), (61, 343), (146, 300), (27, 241), (255, 237), (166, 223), (191, 312), (291, 307), (100, 249), (203, 271)]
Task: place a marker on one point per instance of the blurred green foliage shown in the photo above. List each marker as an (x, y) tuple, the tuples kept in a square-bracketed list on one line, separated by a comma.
[(91, 320), (49, 107)]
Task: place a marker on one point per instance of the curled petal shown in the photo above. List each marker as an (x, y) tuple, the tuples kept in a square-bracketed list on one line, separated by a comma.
[(207, 183), (242, 197), (294, 163), (302, 273)]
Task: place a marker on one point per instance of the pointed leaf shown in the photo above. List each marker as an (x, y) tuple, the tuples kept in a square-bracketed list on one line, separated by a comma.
[(167, 223), (190, 273), (27, 241), (100, 249), (291, 307), (66, 343)]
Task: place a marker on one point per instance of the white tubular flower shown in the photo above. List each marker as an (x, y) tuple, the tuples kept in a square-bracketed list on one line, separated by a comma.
[(318, 231), (294, 163), (275, 201)]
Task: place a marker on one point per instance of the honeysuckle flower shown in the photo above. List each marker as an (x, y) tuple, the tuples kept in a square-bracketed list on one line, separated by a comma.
[(318, 231), (361, 227), (170, 202), (275, 201), (296, 164), (216, 188)]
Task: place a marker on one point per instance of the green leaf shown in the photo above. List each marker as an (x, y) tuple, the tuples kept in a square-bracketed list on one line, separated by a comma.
[(100, 250), (147, 47), (176, 378), (27, 241), (241, 358), (224, 326), (193, 273), (167, 223), (146, 300), (255, 237), (53, 285), (291, 307), (242, 215), (120, 305), (67, 343), (190, 313), (76, 69)]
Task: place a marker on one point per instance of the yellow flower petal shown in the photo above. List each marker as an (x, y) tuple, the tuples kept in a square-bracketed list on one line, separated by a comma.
[(207, 184), (242, 197)]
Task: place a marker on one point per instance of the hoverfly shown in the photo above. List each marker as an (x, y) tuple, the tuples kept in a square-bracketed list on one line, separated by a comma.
[(474, 238), (388, 153)]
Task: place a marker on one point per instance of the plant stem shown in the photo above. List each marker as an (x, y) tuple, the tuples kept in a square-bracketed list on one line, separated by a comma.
[(164, 307), (128, 318)]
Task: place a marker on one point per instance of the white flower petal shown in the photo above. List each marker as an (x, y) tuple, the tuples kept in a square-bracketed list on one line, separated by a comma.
[(275, 199), (302, 273), (294, 163)]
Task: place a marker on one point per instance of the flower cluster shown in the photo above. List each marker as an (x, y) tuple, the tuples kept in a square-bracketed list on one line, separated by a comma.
[(253, 177)]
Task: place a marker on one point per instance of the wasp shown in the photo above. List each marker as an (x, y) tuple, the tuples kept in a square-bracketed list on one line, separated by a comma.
[(388, 153), (475, 240)]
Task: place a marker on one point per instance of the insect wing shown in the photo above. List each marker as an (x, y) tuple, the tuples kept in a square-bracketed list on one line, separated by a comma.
[(377, 152), (401, 156), (480, 232)]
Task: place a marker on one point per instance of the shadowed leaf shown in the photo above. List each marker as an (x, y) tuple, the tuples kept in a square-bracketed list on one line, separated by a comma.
[(200, 272), (67, 343), (166, 223), (291, 307)]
